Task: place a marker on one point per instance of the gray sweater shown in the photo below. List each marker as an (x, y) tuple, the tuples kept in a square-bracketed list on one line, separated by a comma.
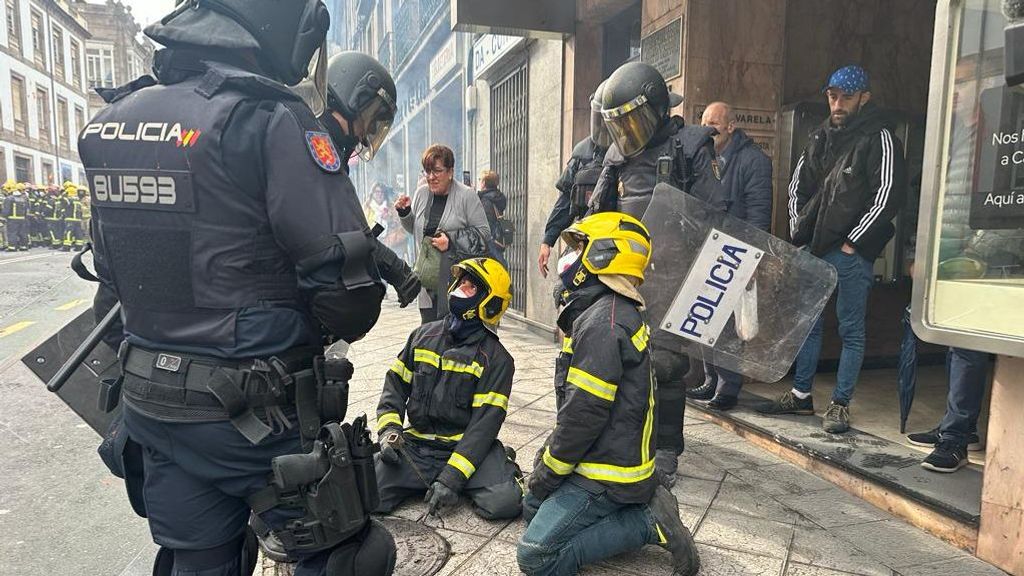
[(463, 210)]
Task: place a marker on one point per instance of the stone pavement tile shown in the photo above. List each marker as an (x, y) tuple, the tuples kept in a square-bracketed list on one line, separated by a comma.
[(716, 561), (513, 532), (744, 533), (898, 544), (526, 454), (696, 465), (695, 492), (649, 561), (736, 455), (738, 496), (781, 479), (545, 403), (496, 558), (794, 569), (691, 515), (833, 507), (710, 434), (519, 430), (463, 546), (536, 386), (818, 547), (968, 566), (518, 400)]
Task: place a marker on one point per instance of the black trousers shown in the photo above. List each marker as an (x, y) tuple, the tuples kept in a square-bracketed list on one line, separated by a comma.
[(495, 488)]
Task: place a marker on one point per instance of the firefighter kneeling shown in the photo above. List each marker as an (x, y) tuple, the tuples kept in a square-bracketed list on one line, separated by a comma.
[(594, 493), (452, 381)]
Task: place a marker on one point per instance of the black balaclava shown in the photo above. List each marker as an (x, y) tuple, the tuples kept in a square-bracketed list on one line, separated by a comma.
[(345, 143), (465, 316)]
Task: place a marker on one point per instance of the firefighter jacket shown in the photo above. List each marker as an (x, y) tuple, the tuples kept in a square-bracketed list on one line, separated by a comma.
[(604, 437), (16, 207), (453, 394)]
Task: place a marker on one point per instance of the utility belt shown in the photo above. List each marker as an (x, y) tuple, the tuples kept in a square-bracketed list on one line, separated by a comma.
[(182, 387)]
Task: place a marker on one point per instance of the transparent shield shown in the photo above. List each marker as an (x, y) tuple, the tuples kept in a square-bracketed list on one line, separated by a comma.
[(721, 290)]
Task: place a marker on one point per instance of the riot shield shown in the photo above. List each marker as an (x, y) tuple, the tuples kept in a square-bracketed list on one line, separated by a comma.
[(82, 391), (731, 294)]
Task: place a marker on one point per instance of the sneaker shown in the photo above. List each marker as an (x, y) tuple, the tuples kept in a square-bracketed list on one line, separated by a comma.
[(672, 534), (837, 419), (947, 457), (930, 438), (722, 402), (790, 404), (705, 391)]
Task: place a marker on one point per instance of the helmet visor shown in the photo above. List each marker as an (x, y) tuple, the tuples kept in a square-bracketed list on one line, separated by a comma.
[(632, 125), (314, 89), (375, 120), (598, 131)]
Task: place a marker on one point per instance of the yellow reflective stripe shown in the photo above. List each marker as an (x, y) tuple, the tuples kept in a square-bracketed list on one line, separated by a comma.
[(460, 463), (616, 474), (427, 357), (398, 367), (387, 419), (641, 337), (592, 384), (557, 466), (567, 345), (492, 398), (661, 535), (645, 446), (424, 436), (452, 366)]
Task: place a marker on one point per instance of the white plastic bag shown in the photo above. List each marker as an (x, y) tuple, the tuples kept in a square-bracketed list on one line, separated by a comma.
[(746, 313)]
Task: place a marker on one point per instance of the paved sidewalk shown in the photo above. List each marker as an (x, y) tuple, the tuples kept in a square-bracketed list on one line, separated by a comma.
[(751, 512)]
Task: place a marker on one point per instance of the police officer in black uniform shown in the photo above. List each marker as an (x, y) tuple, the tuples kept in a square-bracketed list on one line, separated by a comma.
[(225, 224), (577, 181), (651, 146)]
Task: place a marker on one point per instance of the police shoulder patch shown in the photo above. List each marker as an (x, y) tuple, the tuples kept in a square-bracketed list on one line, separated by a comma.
[(321, 147)]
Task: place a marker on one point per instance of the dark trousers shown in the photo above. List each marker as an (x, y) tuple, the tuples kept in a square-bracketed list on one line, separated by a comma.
[(197, 477), (495, 488), (17, 233), (726, 382), (968, 375), (670, 366)]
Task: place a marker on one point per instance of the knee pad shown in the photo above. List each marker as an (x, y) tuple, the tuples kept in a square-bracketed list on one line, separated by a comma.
[(371, 553)]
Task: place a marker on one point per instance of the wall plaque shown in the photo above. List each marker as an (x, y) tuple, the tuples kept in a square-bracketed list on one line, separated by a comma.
[(663, 48)]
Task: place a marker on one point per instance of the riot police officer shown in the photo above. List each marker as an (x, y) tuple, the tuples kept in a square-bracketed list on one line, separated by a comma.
[(226, 226), (359, 88), (651, 146), (576, 183)]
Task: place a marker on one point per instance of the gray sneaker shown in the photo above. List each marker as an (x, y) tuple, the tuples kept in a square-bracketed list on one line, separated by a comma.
[(837, 419), (672, 534)]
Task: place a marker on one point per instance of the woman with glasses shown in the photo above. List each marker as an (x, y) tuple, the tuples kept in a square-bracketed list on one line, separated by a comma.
[(443, 215)]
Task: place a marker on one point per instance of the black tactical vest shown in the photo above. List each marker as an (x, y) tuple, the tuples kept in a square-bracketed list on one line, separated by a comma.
[(186, 246), (591, 161)]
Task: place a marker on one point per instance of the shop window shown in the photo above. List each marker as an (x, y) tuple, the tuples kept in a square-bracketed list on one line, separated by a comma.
[(22, 168)]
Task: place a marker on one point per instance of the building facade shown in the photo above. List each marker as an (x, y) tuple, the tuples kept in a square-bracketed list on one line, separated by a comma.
[(114, 55), (43, 102)]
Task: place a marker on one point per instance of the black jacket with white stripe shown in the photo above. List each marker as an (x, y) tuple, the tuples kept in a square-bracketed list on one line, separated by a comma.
[(848, 185)]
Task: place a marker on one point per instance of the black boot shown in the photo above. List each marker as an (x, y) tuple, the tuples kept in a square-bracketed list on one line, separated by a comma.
[(672, 534), (705, 391)]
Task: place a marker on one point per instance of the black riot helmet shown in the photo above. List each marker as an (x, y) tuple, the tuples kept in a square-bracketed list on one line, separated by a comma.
[(635, 104), (291, 35), (363, 92), (598, 131)]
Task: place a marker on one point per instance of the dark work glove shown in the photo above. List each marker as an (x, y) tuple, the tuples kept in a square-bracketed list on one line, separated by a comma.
[(391, 441), (409, 290), (397, 273), (440, 498), (540, 485)]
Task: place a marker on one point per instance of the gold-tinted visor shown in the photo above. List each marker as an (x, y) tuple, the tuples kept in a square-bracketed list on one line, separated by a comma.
[(377, 119), (632, 125)]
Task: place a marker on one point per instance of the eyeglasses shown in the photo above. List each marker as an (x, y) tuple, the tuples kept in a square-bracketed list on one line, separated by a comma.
[(436, 172)]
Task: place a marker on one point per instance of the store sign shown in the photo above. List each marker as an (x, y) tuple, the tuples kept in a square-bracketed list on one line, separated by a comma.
[(446, 59), (997, 201), (663, 48), (491, 48)]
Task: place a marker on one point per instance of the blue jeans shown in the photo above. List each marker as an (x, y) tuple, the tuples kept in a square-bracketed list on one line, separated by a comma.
[(574, 528), (855, 279), (968, 375)]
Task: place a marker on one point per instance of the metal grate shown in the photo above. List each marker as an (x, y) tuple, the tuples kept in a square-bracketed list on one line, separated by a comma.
[(509, 152)]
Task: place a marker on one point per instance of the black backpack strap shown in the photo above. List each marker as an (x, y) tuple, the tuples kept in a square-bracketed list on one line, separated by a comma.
[(79, 267)]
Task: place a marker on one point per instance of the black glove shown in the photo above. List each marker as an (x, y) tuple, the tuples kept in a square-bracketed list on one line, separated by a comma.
[(397, 273), (391, 441), (409, 290), (440, 497)]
